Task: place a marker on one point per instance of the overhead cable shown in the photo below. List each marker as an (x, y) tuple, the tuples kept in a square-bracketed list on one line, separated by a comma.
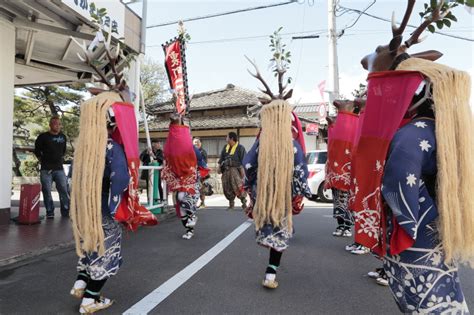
[(224, 13), (409, 25), (222, 40)]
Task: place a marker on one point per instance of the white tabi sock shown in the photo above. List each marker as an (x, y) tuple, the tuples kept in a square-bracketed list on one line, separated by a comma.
[(80, 284), (270, 276)]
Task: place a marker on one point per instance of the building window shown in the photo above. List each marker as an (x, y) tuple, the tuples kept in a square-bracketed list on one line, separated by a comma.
[(213, 146)]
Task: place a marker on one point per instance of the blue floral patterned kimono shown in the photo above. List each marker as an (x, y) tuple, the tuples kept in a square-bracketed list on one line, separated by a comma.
[(420, 280), (187, 202), (115, 182), (276, 237)]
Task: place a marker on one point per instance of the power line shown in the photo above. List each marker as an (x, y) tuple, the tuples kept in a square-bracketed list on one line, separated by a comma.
[(224, 13), (222, 40), (357, 19), (315, 34), (412, 26)]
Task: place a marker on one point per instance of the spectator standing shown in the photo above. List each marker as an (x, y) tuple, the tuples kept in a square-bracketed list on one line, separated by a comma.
[(50, 148), (197, 143), (147, 156), (230, 165)]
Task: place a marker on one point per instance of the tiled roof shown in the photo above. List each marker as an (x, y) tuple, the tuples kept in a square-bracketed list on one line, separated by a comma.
[(231, 96), (211, 122), (220, 122), (307, 108)]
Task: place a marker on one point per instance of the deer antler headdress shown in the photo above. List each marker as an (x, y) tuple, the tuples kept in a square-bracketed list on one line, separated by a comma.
[(385, 55), (110, 71)]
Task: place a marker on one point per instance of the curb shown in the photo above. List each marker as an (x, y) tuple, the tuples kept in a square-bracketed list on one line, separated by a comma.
[(18, 258), (167, 214)]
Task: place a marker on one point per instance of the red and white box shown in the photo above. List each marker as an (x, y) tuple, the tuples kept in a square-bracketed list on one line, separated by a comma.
[(29, 204)]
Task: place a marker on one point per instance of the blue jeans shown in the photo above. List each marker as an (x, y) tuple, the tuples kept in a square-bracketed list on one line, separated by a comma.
[(59, 177)]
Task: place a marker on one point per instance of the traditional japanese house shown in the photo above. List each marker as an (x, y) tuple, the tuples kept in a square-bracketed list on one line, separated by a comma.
[(214, 114)]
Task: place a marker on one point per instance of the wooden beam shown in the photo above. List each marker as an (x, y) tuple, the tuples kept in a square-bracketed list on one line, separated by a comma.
[(69, 65), (29, 46), (40, 66), (34, 5), (51, 29), (68, 46)]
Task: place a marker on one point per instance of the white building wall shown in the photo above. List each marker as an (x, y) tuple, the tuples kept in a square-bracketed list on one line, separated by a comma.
[(310, 142), (7, 73), (247, 142)]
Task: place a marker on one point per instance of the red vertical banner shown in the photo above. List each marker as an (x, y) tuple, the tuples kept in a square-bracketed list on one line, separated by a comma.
[(176, 68)]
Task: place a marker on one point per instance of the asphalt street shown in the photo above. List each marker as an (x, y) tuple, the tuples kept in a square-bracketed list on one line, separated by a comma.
[(316, 277)]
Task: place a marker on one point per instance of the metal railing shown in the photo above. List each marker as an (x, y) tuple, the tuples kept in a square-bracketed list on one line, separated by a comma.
[(151, 205)]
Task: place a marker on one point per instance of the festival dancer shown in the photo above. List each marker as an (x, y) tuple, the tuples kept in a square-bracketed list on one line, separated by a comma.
[(104, 190), (276, 175), (272, 203), (96, 266), (422, 205), (341, 135), (100, 199), (429, 216), (182, 172)]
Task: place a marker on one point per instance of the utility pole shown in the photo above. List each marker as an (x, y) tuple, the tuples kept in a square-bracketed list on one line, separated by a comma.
[(141, 56), (333, 71)]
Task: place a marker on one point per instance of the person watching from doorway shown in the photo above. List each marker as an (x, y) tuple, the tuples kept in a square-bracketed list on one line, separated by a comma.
[(197, 143), (50, 148), (149, 155), (230, 166)]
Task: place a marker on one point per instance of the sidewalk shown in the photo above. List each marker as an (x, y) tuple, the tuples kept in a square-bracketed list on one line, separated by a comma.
[(20, 242)]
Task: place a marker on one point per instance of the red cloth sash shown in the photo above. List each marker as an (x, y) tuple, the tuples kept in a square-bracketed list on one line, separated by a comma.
[(130, 212), (180, 168), (389, 96), (341, 138), (296, 123), (350, 204)]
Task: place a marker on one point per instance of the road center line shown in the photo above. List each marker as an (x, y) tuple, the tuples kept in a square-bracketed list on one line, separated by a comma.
[(155, 297)]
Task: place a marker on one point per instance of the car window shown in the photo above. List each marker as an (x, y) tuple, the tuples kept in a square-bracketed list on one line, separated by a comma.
[(322, 158), (316, 157)]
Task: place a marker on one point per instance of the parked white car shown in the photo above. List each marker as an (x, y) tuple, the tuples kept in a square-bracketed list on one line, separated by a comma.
[(316, 160)]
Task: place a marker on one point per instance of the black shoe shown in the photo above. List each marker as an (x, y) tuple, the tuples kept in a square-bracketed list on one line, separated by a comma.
[(50, 216)]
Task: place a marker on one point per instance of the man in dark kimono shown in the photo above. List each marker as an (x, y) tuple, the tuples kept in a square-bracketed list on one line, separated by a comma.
[(230, 166)]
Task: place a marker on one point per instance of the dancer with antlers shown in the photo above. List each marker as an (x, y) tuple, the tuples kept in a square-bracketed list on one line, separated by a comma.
[(429, 215), (104, 181), (338, 165), (276, 173), (182, 172)]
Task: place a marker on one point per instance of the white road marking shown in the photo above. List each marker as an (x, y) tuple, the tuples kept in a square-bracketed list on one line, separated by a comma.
[(154, 298)]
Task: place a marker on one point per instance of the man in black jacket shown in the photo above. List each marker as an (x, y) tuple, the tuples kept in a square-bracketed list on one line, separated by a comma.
[(50, 148), (147, 156)]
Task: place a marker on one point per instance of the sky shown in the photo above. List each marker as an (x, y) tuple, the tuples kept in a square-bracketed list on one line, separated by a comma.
[(215, 54)]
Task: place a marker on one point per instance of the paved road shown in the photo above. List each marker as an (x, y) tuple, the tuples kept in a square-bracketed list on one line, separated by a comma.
[(316, 277)]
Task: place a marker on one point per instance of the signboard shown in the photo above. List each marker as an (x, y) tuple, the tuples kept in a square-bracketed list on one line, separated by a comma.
[(312, 129), (322, 111), (115, 13)]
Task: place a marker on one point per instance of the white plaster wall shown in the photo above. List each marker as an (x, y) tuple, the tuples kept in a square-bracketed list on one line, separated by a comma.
[(7, 72)]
